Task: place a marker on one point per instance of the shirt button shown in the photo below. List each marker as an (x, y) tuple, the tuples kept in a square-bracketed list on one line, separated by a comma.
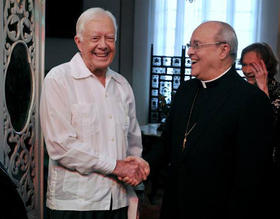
[(110, 116), (106, 95), (113, 139)]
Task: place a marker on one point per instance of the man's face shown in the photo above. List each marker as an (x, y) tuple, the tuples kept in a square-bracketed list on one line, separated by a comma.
[(97, 45), (203, 51), (247, 65)]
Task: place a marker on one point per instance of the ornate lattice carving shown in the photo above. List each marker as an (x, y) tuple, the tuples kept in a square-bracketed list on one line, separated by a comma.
[(19, 144), (167, 72)]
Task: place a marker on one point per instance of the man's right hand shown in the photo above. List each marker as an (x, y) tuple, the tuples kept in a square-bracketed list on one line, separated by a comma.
[(132, 170)]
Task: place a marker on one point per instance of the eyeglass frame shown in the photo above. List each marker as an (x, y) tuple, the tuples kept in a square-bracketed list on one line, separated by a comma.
[(198, 46)]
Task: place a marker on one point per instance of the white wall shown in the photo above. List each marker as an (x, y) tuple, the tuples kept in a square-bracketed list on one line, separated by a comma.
[(269, 22)]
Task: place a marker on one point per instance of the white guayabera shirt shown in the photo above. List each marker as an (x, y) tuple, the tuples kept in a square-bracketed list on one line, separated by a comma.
[(87, 127)]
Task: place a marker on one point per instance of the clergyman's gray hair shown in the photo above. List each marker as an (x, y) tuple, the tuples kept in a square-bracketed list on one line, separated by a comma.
[(228, 35), (91, 14)]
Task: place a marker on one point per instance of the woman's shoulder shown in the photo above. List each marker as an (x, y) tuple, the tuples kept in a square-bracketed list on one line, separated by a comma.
[(274, 89)]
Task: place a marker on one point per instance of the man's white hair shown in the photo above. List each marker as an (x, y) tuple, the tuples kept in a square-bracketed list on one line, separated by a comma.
[(91, 14)]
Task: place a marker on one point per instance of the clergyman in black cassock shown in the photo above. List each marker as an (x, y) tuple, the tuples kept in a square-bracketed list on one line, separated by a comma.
[(223, 169)]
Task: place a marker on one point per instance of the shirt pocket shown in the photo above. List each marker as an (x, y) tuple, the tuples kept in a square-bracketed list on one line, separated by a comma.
[(84, 119)]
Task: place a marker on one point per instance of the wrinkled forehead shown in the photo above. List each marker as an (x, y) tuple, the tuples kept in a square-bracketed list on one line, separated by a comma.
[(102, 23), (101, 18)]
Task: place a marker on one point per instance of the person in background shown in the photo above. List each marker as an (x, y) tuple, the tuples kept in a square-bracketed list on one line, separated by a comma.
[(89, 123), (12, 206), (218, 153), (260, 66)]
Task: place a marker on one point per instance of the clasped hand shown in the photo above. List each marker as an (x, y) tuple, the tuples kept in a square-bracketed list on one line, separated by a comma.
[(132, 170)]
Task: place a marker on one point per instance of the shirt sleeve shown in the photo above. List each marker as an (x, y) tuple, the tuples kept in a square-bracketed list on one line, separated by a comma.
[(62, 142), (134, 132)]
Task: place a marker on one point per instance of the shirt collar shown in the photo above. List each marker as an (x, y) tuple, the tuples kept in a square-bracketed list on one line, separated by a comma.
[(79, 69), (204, 83), (112, 74)]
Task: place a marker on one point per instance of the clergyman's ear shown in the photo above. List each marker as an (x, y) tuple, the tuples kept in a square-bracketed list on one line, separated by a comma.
[(224, 50)]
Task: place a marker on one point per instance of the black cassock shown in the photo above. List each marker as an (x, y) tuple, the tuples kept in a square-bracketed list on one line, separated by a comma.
[(224, 170)]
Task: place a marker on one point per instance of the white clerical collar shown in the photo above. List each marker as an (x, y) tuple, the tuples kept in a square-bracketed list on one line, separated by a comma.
[(205, 82)]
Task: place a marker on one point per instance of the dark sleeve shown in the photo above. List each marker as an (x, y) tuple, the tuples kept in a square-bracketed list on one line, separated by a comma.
[(11, 202), (160, 153), (253, 159), (157, 157)]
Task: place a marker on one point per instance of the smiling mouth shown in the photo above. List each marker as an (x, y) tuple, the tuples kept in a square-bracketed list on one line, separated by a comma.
[(194, 62), (249, 75), (102, 55)]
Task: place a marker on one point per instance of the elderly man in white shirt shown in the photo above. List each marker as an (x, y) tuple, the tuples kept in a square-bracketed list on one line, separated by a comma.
[(91, 132)]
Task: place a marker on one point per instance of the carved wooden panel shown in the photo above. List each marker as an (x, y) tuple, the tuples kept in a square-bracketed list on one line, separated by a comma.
[(22, 40)]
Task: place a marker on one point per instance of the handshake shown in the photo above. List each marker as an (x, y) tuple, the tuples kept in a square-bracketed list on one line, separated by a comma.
[(132, 170)]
